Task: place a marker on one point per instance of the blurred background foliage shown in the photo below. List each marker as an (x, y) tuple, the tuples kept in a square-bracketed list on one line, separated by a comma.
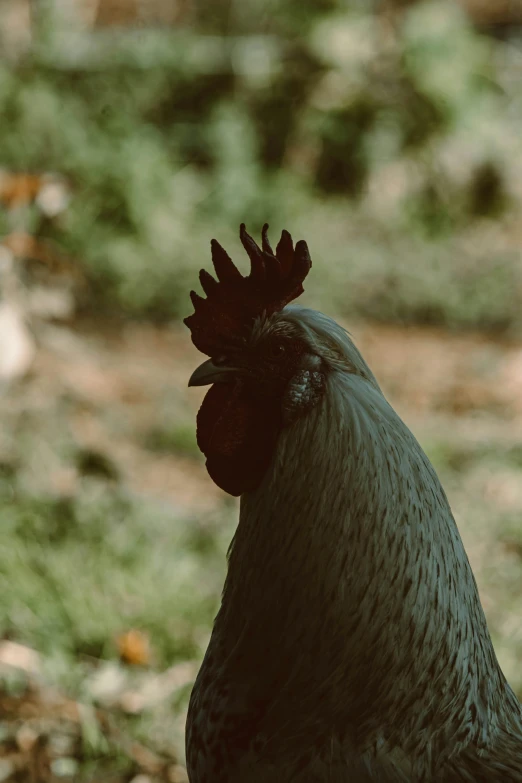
[(387, 134)]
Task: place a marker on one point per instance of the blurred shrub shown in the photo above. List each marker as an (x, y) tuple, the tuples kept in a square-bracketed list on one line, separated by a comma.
[(400, 131)]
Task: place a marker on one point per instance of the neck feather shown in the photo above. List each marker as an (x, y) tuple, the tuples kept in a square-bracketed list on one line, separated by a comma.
[(347, 567)]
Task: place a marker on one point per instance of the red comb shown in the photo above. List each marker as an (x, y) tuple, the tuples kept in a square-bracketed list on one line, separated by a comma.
[(234, 301)]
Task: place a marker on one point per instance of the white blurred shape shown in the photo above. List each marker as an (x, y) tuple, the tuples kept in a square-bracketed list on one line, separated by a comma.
[(17, 348)]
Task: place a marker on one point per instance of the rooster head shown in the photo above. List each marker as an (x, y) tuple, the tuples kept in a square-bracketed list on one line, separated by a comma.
[(264, 373)]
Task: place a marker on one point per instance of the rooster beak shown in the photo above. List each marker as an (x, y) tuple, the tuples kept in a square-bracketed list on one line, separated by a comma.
[(208, 373)]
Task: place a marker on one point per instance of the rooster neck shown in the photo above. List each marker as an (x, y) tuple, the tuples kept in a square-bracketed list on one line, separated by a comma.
[(347, 576)]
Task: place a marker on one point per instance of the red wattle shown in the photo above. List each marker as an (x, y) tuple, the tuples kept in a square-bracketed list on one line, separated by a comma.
[(237, 436)]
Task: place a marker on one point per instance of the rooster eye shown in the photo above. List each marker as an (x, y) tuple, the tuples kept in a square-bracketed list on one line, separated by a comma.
[(277, 350)]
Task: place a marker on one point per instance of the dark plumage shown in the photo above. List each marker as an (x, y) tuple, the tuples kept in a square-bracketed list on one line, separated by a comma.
[(350, 644)]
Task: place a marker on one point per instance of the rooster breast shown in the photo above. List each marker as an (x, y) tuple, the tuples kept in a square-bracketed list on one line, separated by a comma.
[(223, 748)]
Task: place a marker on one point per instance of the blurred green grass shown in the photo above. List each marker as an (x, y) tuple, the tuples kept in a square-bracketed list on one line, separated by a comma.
[(176, 439), (77, 571)]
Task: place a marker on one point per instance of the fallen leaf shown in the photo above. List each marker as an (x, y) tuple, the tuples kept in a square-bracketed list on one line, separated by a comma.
[(134, 647)]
